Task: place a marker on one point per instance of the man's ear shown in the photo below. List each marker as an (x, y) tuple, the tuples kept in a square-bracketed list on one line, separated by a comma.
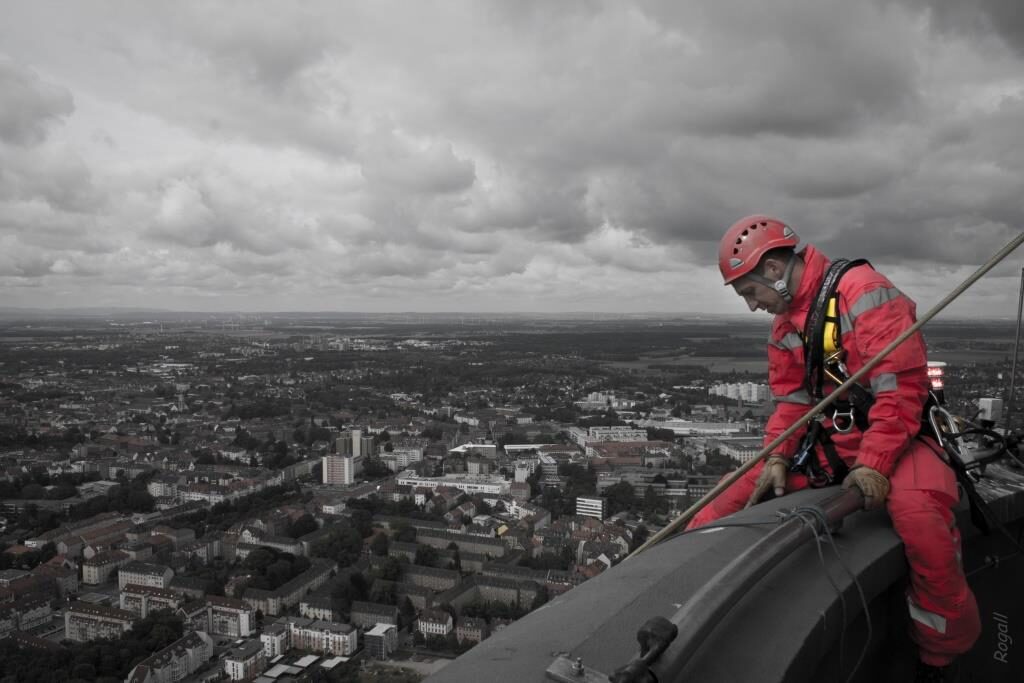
[(773, 268)]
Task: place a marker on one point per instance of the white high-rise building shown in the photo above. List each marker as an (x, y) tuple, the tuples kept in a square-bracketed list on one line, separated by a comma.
[(591, 506), (340, 470)]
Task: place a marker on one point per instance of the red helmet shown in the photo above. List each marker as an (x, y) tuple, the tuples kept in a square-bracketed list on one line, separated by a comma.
[(747, 240)]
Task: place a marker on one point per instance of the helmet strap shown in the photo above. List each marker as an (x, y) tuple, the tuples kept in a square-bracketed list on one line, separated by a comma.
[(780, 286)]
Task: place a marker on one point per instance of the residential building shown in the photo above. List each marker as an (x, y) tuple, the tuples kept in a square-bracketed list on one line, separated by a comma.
[(492, 484), (588, 506), (98, 569), (333, 507), (325, 637), (84, 622), (276, 638), (317, 606), (176, 661), (24, 614), (431, 577), (354, 443), (471, 629), (434, 622), (142, 600), (195, 616), (144, 574), (177, 536), (381, 641), (274, 602), (230, 617), (740, 448), (340, 470), (743, 391), (366, 615), (402, 457), (245, 662)]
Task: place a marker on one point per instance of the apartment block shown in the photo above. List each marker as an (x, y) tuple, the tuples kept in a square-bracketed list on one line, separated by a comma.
[(99, 568), (434, 622), (381, 641), (176, 661), (325, 637), (84, 622), (144, 574), (230, 617), (595, 507), (245, 662), (143, 600)]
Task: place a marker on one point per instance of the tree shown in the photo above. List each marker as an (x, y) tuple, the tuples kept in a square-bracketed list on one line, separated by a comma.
[(33, 492), (651, 501), (426, 556), (379, 544), (540, 598), (405, 533), (657, 434), (259, 559), (620, 497), (407, 610), (639, 536), (302, 526)]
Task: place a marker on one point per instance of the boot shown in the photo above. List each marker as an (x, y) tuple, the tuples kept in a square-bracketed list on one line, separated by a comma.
[(932, 674)]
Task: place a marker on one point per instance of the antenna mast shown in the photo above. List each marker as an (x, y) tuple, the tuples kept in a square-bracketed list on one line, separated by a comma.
[(1016, 348)]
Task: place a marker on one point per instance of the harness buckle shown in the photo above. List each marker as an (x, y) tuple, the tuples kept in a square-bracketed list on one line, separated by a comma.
[(805, 460)]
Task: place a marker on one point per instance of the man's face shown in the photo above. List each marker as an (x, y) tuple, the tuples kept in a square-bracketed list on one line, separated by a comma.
[(760, 297)]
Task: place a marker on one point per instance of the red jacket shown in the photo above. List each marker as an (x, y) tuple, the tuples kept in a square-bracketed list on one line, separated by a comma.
[(872, 314)]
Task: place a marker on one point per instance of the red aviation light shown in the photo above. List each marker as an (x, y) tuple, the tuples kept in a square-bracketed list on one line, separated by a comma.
[(936, 374)]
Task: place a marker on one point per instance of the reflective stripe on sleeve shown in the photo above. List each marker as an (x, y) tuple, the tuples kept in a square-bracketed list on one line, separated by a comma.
[(885, 381), (934, 621), (800, 396), (868, 301), (790, 342)]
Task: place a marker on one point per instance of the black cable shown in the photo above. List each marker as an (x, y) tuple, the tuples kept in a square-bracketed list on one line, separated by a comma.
[(815, 518), (985, 509), (835, 587)]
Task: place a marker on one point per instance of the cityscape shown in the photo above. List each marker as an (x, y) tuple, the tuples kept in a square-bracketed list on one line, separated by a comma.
[(307, 498), (509, 341)]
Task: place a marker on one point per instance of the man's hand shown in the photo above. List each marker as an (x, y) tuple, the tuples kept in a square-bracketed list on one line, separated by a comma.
[(773, 476), (872, 483)]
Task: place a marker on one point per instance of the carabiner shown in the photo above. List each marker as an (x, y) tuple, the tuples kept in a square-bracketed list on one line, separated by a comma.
[(848, 416)]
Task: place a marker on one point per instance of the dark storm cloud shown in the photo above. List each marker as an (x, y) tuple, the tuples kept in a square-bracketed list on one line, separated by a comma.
[(551, 154), (29, 106), (978, 18)]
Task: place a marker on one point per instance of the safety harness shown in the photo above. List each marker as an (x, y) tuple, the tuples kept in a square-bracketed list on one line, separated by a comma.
[(823, 359)]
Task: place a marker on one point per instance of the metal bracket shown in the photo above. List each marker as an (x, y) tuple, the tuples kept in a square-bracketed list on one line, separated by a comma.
[(565, 669)]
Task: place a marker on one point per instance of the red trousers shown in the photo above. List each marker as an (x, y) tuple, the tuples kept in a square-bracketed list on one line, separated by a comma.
[(943, 611)]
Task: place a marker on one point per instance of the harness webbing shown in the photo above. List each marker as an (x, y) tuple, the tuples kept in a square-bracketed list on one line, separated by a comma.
[(818, 320), (824, 320)]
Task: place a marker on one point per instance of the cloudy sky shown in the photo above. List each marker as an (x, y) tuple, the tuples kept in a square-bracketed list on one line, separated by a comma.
[(498, 156)]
